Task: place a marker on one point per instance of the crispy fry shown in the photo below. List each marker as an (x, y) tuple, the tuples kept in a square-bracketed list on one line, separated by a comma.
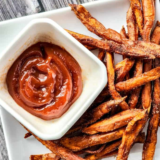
[(139, 80), (147, 89), (110, 148), (27, 135), (149, 17), (122, 71), (110, 124), (78, 143), (151, 140), (134, 127), (90, 47), (102, 96), (114, 153), (156, 34), (123, 33), (48, 156), (133, 50), (131, 25), (111, 76), (156, 39), (89, 41), (101, 54), (101, 110), (133, 100), (93, 25), (114, 146), (95, 114), (96, 27), (137, 9), (57, 149), (122, 49), (95, 151)]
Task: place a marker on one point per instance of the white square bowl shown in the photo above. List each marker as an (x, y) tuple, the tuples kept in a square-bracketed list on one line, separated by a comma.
[(93, 74)]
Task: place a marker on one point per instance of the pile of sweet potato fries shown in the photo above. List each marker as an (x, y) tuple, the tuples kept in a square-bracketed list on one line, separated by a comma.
[(131, 98)]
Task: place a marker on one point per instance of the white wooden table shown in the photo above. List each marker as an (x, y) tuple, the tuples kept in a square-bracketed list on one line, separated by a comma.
[(10, 9)]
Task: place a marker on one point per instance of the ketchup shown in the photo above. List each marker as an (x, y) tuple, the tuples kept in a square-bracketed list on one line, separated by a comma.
[(45, 80)]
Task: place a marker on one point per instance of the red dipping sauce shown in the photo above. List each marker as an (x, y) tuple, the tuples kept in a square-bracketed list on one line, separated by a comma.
[(45, 80)]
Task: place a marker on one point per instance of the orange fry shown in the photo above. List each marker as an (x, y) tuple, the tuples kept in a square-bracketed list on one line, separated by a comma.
[(156, 34), (122, 49), (78, 143), (137, 9), (48, 156), (134, 127), (110, 124), (139, 80), (113, 146), (151, 140), (123, 33), (89, 41), (101, 54), (149, 17), (96, 27), (95, 114), (123, 68), (131, 25), (27, 135), (111, 76), (133, 99), (57, 149), (93, 25)]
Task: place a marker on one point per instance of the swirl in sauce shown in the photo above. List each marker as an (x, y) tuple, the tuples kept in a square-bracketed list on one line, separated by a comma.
[(45, 80)]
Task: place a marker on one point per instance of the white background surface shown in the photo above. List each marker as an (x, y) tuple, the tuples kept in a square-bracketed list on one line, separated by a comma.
[(113, 15)]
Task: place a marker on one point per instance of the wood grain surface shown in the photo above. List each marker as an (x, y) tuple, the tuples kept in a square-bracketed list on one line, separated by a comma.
[(10, 9)]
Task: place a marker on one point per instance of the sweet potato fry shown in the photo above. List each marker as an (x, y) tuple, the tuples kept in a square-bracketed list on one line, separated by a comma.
[(95, 151), (133, 51), (151, 140), (57, 149), (109, 148), (134, 127), (111, 77), (133, 35), (156, 34), (95, 114), (89, 41), (122, 71), (112, 147), (93, 25), (131, 25), (101, 54), (90, 47), (48, 156), (102, 96), (27, 135), (137, 9), (133, 99), (114, 153), (139, 80), (122, 49), (78, 143), (149, 17), (123, 33), (110, 124)]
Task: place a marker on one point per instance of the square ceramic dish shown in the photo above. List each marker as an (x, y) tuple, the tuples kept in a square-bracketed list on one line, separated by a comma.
[(93, 75), (112, 13)]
